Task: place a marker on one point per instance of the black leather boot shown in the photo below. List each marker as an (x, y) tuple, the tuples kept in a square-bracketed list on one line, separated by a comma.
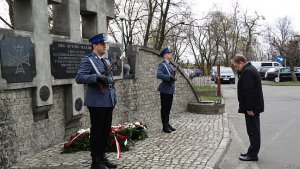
[(97, 163), (108, 163), (166, 128), (171, 128)]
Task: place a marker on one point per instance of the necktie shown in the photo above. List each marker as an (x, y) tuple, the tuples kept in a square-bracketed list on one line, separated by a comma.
[(104, 62)]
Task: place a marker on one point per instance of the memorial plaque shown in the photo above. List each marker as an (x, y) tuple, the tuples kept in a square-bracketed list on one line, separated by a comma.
[(44, 93), (17, 59), (66, 57), (78, 104), (114, 54)]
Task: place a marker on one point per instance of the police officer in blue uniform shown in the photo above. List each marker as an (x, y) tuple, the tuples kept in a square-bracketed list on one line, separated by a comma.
[(100, 98), (166, 73)]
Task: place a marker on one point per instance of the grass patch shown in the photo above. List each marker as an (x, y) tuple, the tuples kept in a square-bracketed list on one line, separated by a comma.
[(205, 94), (215, 99), (205, 88), (286, 83)]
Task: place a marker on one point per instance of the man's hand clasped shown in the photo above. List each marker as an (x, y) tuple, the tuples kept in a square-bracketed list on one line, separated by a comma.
[(172, 79), (102, 78), (250, 113)]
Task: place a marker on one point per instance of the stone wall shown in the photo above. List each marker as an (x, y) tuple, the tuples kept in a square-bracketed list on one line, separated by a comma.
[(139, 100), (43, 111)]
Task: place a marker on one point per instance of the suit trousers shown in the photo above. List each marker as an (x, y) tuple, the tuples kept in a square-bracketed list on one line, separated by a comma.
[(253, 130), (166, 105), (101, 119)]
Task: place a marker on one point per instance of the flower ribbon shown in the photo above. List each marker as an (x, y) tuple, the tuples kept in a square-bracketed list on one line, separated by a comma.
[(118, 149), (81, 131)]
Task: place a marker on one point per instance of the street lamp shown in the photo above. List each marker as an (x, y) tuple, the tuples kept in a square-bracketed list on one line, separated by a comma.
[(122, 17), (125, 67)]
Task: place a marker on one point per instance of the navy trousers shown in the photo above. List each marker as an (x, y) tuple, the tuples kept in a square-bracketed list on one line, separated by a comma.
[(166, 105), (253, 130), (101, 119)]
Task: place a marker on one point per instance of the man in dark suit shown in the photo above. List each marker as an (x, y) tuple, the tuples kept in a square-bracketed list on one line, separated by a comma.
[(166, 73), (251, 103), (100, 98)]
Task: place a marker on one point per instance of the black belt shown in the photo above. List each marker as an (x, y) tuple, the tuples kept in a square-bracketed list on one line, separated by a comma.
[(110, 85)]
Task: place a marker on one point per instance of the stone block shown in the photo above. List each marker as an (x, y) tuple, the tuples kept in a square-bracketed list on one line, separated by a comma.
[(23, 15), (206, 108), (54, 1)]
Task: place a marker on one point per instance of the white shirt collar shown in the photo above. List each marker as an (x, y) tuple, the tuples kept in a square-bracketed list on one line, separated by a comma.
[(100, 57)]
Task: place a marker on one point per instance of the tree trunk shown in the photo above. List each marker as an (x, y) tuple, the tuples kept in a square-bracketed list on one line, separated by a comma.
[(163, 26)]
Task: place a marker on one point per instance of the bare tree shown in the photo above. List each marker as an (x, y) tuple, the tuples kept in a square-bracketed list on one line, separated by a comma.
[(251, 30), (151, 6), (282, 39), (281, 34), (10, 13), (164, 11)]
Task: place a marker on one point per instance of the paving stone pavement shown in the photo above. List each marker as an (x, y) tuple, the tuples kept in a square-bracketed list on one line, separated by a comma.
[(199, 142)]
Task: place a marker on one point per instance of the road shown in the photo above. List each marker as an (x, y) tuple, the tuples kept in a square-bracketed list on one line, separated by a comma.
[(280, 130)]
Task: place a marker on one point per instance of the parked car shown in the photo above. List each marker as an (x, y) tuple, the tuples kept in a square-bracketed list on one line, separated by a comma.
[(196, 73), (263, 71), (283, 74), (258, 65), (213, 72), (226, 75), (296, 69)]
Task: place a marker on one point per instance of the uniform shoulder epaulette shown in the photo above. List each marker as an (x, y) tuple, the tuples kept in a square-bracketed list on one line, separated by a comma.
[(89, 55)]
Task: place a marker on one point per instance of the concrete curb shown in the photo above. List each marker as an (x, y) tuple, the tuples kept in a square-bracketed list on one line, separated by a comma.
[(270, 83), (219, 153)]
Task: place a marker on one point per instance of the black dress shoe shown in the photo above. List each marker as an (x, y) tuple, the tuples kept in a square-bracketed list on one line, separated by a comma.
[(97, 163), (166, 130), (248, 158), (100, 166), (108, 163), (171, 128), (244, 154)]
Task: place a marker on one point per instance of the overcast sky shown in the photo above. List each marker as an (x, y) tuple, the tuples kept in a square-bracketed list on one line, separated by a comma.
[(270, 9)]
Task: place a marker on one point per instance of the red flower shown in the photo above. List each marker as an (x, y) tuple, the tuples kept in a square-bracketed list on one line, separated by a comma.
[(83, 135), (122, 137), (66, 145), (72, 137), (115, 130), (113, 142)]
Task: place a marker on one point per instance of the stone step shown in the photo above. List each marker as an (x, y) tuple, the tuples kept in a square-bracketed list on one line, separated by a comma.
[(206, 107)]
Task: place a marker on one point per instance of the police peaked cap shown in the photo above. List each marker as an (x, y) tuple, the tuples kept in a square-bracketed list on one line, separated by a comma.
[(98, 38), (165, 50)]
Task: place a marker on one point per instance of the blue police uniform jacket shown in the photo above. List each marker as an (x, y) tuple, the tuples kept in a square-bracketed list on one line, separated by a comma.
[(166, 86), (87, 75)]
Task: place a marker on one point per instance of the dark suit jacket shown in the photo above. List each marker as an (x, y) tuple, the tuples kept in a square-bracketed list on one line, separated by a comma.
[(250, 93)]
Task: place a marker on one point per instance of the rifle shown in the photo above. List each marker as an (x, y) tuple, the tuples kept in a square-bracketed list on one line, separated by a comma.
[(107, 71), (175, 69)]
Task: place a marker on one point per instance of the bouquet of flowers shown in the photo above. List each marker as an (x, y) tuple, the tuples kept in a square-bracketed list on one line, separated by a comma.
[(121, 138), (80, 141), (135, 131)]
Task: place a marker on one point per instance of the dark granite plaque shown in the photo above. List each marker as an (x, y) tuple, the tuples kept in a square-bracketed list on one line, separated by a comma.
[(114, 54), (44, 93), (17, 59), (78, 104), (66, 57)]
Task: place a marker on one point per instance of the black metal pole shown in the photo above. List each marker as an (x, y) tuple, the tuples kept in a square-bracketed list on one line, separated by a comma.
[(3, 20)]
